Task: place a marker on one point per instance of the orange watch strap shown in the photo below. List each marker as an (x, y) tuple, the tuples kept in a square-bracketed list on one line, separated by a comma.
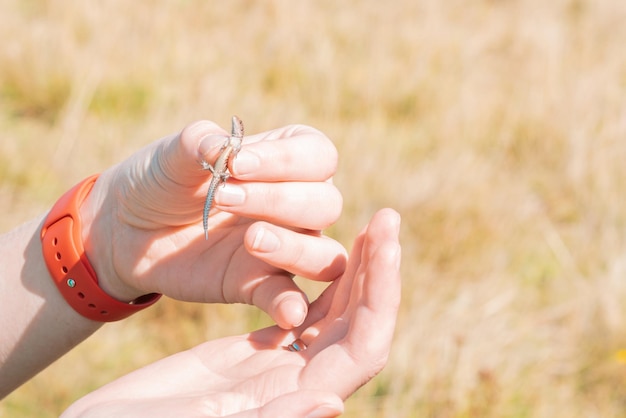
[(69, 267)]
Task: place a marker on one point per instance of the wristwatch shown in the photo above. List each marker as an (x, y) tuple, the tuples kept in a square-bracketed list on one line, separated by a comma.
[(71, 271)]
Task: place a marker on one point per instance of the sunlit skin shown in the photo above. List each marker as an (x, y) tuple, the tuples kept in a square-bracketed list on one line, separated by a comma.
[(348, 336), (142, 233), (496, 130)]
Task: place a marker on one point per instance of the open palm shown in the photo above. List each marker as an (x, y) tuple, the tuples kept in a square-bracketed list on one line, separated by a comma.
[(348, 332)]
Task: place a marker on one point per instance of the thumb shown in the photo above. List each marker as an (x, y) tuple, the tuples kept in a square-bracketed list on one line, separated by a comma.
[(198, 141), (161, 183)]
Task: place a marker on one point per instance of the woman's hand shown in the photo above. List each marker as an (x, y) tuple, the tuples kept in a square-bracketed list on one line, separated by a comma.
[(348, 332), (143, 230)]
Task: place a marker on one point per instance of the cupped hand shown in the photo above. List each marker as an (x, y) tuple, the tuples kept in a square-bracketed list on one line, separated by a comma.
[(143, 230), (348, 331)]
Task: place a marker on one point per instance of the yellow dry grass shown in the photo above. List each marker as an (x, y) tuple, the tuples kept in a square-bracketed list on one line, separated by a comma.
[(496, 128)]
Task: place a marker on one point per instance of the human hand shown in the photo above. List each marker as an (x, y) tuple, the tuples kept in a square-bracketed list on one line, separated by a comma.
[(348, 331), (143, 234)]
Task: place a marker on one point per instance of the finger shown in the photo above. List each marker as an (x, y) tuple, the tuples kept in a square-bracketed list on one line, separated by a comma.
[(210, 147), (348, 353), (181, 159), (270, 289), (372, 318), (382, 230), (352, 348), (382, 247), (283, 301), (310, 205), (377, 308), (292, 153), (312, 256), (146, 182), (333, 302), (301, 403)]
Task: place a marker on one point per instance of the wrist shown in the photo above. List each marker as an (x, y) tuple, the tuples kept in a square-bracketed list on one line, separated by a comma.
[(71, 271), (98, 224)]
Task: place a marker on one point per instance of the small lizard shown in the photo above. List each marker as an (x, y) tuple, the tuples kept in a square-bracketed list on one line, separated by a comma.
[(219, 170)]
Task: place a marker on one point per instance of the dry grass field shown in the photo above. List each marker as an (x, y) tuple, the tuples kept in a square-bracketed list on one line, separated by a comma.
[(497, 128)]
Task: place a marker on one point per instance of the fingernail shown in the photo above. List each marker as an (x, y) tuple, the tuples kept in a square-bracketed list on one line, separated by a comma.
[(210, 143), (246, 162), (265, 241), (230, 195), (200, 128), (325, 411), (293, 308)]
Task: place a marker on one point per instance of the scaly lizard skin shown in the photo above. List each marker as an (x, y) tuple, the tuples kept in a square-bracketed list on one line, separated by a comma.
[(219, 170)]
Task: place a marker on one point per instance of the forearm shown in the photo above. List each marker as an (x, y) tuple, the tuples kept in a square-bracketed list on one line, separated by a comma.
[(37, 326)]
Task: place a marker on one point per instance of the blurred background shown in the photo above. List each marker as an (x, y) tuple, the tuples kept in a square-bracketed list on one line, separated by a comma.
[(495, 127)]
